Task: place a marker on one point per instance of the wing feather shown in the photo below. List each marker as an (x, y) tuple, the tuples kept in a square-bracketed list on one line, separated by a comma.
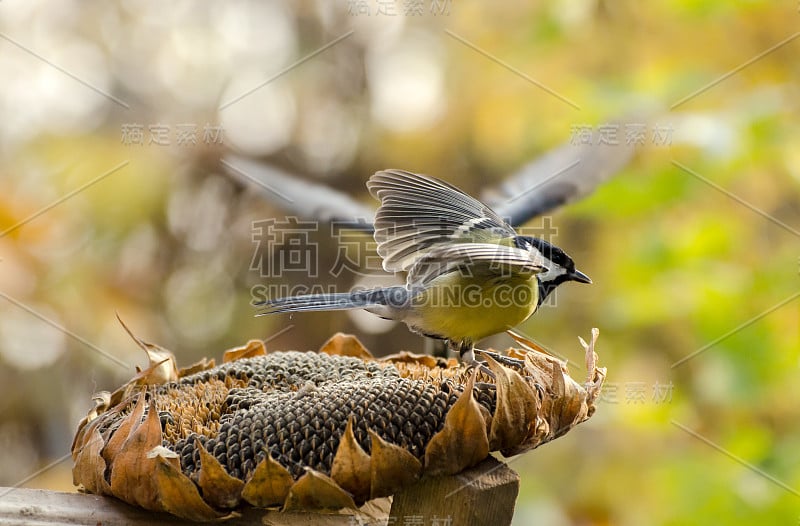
[(562, 175), (475, 259), (418, 212)]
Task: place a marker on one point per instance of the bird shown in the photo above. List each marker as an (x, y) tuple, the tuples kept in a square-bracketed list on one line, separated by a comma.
[(468, 273)]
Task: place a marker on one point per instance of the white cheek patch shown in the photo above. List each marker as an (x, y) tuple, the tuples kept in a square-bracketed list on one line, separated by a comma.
[(553, 273)]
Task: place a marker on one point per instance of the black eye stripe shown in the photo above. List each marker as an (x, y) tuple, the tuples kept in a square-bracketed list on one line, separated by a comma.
[(549, 251)]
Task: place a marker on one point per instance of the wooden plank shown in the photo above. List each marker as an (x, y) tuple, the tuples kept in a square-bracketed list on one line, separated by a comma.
[(36, 507), (484, 494)]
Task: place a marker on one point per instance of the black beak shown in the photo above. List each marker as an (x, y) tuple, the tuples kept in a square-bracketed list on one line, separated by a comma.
[(580, 277)]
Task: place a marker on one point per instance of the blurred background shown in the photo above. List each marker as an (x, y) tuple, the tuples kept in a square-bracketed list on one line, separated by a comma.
[(114, 199)]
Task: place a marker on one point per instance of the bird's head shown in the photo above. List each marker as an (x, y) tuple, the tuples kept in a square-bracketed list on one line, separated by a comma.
[(560, 266)]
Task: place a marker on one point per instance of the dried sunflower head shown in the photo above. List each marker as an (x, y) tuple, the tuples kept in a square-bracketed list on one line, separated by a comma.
[(315, 430)]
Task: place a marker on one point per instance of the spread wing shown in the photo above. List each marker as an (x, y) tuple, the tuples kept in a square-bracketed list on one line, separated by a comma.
[(302, 198), (418, 212), (560, 176), (473, 259)]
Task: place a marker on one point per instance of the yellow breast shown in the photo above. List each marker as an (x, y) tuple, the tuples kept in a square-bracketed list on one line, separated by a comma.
[(458, 307)]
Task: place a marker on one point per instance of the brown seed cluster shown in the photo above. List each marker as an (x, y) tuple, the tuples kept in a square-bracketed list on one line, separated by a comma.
[(296, 406)]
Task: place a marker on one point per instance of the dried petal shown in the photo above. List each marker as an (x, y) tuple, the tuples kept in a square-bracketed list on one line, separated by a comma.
[(90, 467), (317, 491), (517, 408), (391, 467), (462, 442), (199, 366), (341, 344), (425, 360), (269, 484), (177, 494), (351, 465), (131, 470), (125, 429), (219, 489), (252, 348), (163, 367)]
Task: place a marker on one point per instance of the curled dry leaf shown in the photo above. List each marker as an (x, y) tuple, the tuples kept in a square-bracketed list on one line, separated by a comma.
[(322, 431), (341, 344), (391, 467), (463, 441), (268, 485), (249, 350), (218, 488), (351, 465), (163, 367), (317, 491)]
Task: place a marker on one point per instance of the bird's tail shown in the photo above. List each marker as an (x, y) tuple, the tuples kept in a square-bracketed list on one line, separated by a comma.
[(391, 297)]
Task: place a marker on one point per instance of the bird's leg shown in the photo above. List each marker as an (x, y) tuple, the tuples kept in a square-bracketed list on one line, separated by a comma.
[(464, 349), (466, 352), (516, 363), (437, 348)]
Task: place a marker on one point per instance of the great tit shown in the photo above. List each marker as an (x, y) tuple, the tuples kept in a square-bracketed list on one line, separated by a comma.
[(468, 274)]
